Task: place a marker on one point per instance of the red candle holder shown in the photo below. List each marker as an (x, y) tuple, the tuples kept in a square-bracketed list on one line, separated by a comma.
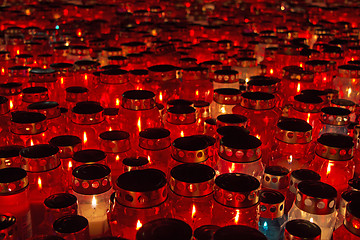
[(302, 229), (226, 79), (74, 95), (234, 204), (10, 156), (140, 197), (224, 101), (72, 227), (8, 227), (83, 72), (64, 74), (192, 186), (205, 232), (181, 121), (13, 92), (14, 196), (4, 116), (19, 74), (196, 85), (349, 229)]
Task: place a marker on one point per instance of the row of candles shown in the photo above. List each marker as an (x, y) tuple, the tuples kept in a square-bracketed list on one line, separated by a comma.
[(155, 120)]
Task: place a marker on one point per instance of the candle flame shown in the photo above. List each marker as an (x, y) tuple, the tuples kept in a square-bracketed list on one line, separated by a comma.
[(352, 59), (2, 71), (85, 138), (197, 93), (69, 165), (233, 167), (222, 109), (160, 96), (328, 170), (237, 216), (349, 92), (17, 52), (182, 133), (312, 220), (86, 77), (298, 88), (290, 159), (271, 71), (149, 159), (93, 202), (79, 33), (138, 225), (258, 136), (31, 142), (308, 118), (117, 158), (11, 104), (39, 182), (62, 80), (139, 124), (301, 65), (246, 80), (117, 102), (110, 129), (193, 211)]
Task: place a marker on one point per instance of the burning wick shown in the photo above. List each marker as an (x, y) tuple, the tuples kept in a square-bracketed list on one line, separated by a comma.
[(39, 183), (138, 225), (93, 202), (237, 216), (193, 212)]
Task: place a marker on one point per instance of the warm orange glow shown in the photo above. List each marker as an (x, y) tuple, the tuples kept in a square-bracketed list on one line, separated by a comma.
[(237, 216), (197, 93), (193, 212), (149, 159), (39, 182), (352, 59), (85, 138), (301, 65), (85, 77), (138, 225), (182, 133), (31, 142), (258, 136), (290, 159), (160, 96), (79, 33), (110, 129), (17, 52), (308, 118), (271, 71), (11, 104), (93, 202), (62, 80), (139, 124), (117, 158), (324, 79), (117, 102), (328, 170), (2, 71), (44, 67), (233, 167), (298, 89)]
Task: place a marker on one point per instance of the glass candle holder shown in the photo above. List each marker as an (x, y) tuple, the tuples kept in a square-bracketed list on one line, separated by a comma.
[(140, 198), (272, 205), (46, 78), (57, 206), (322, 72), (32, 95), (202, 114), (350, 228), (238, 231), (226, 79), (316, 202), (181, 121), (231, 120), (89, 156), (154, 144), (334, 160), (164, 228), (237, 199), (134, 163), (13, 92), (72, 227), (240, 153), (346, 82), (276, 178), (28, 128), (92, 187), (87, 122), (291, 144), (14, 197), (19, 74), (346, 197), (64, 74), (196, 85), (224, 101), (8, 228), (74, 95), (247, 67), (83, 70), (139, 108), (346, 104), (190, 149), (259, 108), (302, 229), (191, 198), (334, 120), (213, 66), (43, 166), (10, 156)]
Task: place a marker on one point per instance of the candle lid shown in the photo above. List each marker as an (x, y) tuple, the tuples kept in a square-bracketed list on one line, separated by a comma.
[(27, 123), (318, 66), (90, 179), (227, 96), (89, 156), (63, 68), (12, 180), (296, 73), (232, 130), (231, 120), (202, 109), (192, 180), (264, 84), (195, 73), (119, 60), (276, 177), (307, 103), (76, 94), (335, 116), (233, 232), (154, 139), (316, 197), (85, 66), (349, 71), (237, 190), (61, 204), (10, 88), (210, 126), (87, 113), (272, 204), (79, 50), (40, 75), (135, 163), (40, 158), (190, 149), (138, 100), (293, 131), (205, 232), (302, 229), (8, 227), (246, 62), (179, 102), (67, 144), (139, 75), (240, 148), (35, 94), (344, 103), (162, 72), (4, 105), (49, 108), (335, 146), (346, 197), (212, 65), (181, 115), (71, 224), (115, 141), (141, 188), (300, 175), (164, 229), (114, 76), (10, 156), (257, 100), (352, 217), (226, 76), (19, 71)]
